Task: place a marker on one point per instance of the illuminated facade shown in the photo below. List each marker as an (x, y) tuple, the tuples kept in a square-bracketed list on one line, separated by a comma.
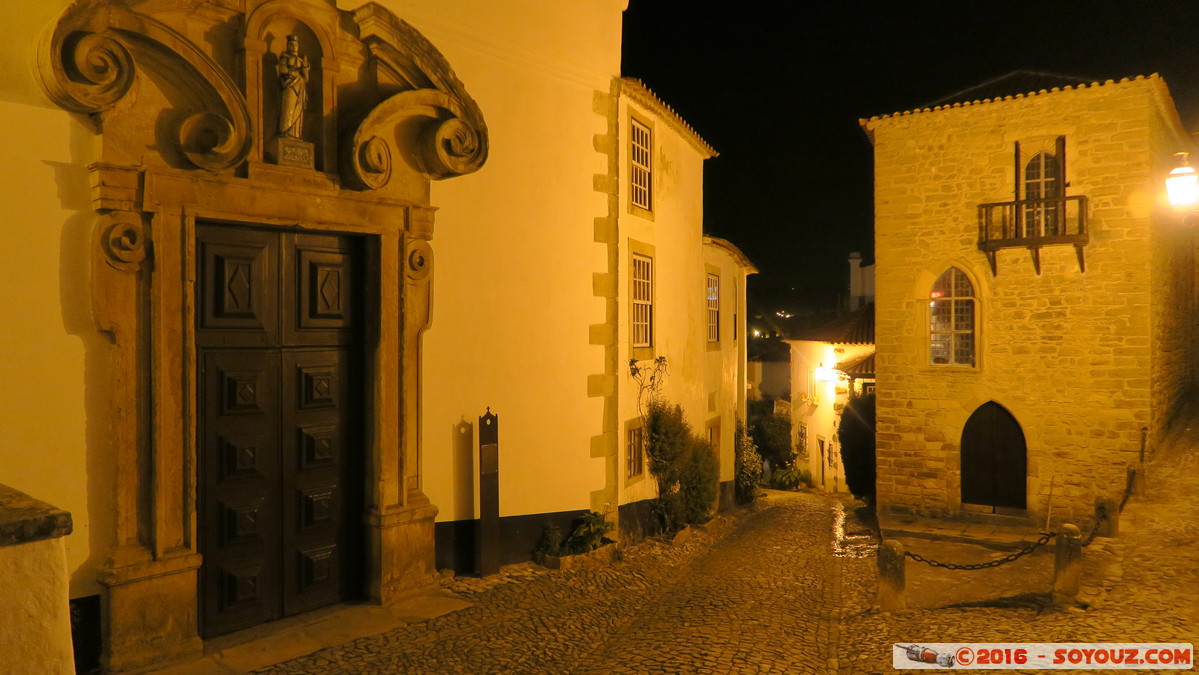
[(314, 243), (1035, 300), (829, 366)]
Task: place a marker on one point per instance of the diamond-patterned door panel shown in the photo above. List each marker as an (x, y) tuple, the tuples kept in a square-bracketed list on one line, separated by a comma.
[(318, 445), (318, 387), (239, 392), (236, 290), (280, 479), (318, 566), (240, 456), (242, 585), (316, 507)]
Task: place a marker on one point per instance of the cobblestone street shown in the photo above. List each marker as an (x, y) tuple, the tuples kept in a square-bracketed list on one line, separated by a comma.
[(750, 594), (762, 592)]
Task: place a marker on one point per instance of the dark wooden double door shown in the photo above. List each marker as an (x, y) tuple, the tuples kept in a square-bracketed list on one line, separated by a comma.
[(277, 336), (994, 459)]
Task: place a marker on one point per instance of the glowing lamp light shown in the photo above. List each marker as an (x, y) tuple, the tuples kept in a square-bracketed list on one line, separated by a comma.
[(824, 374), (1182, 185)]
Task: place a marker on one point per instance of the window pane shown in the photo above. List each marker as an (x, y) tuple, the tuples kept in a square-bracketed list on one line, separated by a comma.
[(963, 349), (939, 349), (939, 315), (962, 288), (963, 315)]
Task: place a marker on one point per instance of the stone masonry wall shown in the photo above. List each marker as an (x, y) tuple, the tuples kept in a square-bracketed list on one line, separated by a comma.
[(1082, 359), (1173, 302)]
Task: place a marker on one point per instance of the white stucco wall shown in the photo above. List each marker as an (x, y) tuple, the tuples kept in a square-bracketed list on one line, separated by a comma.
[(515, 254), (724, 367), (35, 634), (676, 235), (54, 400), (818, 404)]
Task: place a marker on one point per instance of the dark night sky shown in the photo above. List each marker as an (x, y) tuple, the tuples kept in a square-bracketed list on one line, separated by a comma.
[(778, 92)]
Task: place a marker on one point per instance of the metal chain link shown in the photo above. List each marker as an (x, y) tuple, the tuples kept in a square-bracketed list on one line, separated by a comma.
[(1100, 516), (1045, 537)]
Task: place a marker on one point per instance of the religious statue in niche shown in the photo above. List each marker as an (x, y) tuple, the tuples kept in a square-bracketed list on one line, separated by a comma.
[(293, 69)]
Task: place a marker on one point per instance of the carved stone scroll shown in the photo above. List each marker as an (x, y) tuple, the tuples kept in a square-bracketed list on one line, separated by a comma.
[(447, 146), (124, 242), (89, 62), (453, 137)]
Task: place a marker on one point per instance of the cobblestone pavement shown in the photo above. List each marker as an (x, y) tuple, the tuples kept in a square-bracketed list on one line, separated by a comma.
[(756, 593), (763, 593), (1141, 586)]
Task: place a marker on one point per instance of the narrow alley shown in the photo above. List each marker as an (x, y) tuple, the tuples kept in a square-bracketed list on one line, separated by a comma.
[(776, 589)]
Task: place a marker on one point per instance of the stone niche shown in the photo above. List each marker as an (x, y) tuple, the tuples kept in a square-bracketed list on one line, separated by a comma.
[(189, 96)]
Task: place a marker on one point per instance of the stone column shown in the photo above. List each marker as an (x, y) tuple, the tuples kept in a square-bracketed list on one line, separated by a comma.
[(891, 580), (35, 635), (1067, 565)]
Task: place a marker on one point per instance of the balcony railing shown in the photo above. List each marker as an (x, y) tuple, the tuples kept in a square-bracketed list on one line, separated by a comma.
[(1031, 224)]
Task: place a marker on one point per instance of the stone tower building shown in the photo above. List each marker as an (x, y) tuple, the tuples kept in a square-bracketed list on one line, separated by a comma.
[(1035, 298)]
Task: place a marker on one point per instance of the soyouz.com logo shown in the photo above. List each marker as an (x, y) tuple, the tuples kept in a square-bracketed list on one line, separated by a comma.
[(1042, 656)]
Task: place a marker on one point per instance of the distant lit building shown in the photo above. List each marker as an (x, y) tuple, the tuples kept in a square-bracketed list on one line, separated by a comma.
[(829, 366)]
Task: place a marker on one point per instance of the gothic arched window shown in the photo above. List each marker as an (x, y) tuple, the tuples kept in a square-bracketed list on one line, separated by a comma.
[(951, 320)]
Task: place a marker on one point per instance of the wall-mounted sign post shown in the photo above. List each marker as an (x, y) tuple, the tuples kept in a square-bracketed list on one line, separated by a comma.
[(487, 541)]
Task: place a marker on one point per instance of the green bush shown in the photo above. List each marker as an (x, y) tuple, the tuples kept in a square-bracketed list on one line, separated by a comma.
[(748, 467), (550, 544), (787, 478), (668, 440), (857, 446), (588, 533), (700, 481), (685, 466), (668, 512), (772, 435)]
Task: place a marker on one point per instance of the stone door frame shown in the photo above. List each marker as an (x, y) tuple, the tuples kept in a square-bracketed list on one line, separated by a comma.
[(188, 146)]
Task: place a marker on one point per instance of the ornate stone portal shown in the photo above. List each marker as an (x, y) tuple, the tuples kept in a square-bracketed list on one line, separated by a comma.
[(188, 124)]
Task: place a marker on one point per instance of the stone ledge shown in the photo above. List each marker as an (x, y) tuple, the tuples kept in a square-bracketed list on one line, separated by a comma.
[(24, 519)]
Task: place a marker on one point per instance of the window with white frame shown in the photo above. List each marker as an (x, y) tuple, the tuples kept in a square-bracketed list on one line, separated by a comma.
[(641, 153), (634, 450), (643, 301), (713, 308), (951, 320)]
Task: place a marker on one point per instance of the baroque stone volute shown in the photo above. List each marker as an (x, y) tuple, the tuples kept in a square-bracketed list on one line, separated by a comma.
[(89, 62)]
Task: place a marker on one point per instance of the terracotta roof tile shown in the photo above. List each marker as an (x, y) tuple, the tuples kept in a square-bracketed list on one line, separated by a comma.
[(855, 328)]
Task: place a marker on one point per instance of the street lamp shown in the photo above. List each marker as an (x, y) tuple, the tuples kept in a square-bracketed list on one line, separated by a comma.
[(1182, 185)]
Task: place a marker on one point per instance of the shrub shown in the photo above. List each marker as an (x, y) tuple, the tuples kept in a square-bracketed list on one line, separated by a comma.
[(772, 435), (668, 440), (549, 545), (685, 466), (699, 481), (748, 467), (588, 533), (787, 478), (857, 446), (668, 510)]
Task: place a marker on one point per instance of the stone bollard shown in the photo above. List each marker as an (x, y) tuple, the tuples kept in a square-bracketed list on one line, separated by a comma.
[(1107, 517), (1067, 564), (891, 580)]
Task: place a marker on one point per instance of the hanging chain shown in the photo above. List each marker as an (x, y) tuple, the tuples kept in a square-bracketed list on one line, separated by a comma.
[(1045, 537)]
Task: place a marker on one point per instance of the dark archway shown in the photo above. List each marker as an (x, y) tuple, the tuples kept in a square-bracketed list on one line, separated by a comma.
[(994, 459)]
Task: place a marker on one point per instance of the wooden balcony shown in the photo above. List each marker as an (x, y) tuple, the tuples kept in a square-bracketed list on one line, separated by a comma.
[(1032, 224)]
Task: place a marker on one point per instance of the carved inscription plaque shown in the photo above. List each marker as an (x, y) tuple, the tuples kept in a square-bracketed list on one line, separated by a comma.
[(294, 152)]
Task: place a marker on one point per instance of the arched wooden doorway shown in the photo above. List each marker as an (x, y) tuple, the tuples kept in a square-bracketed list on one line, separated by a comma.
[(994, 459)]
